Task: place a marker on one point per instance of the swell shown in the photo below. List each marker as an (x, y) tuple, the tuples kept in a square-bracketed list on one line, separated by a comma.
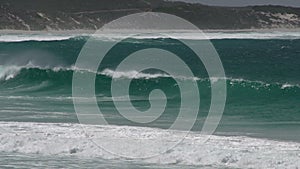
[(33, 78)]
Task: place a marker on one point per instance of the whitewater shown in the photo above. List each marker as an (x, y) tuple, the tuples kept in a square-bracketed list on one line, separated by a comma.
[(183, 34), (70, 140)]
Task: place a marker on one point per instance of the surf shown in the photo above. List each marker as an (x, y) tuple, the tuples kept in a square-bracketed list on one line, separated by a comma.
[(68, 140), (181, 34)]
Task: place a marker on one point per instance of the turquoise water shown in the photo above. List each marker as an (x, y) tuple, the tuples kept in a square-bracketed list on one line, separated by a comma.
[(263, 91)]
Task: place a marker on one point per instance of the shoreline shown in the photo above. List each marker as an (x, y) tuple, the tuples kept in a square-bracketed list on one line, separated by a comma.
[(86, 31)]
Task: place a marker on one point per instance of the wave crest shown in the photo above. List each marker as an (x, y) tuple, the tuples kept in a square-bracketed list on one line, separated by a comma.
[(116, 36), (10, 72)]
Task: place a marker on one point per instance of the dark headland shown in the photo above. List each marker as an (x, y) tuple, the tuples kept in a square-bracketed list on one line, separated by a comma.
[(37, 15)]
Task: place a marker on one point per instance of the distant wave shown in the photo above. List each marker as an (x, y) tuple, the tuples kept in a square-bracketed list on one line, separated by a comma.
[(182, 35), (34, 37), (70, 139)]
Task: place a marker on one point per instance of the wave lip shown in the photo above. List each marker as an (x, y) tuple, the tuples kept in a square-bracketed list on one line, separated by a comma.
[(70, 139)]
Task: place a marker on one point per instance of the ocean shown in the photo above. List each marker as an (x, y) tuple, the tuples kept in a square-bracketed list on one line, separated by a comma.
[(260, 126)]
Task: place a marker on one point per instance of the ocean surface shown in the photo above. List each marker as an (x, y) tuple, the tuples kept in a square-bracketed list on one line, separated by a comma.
[(260, 127)]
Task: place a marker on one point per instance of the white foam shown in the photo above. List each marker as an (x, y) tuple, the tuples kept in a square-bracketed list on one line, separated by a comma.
[(66, 139), (131, 74), (33, 37), (192, 35), (254, 35), (115, 36), (286, 85)]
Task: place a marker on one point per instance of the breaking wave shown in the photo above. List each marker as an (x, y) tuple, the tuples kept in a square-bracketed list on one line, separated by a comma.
[(10, 73), (181, 35)]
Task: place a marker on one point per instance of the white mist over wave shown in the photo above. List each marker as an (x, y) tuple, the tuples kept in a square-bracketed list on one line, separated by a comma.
[(9, 72), (70, 139), (115, 36)]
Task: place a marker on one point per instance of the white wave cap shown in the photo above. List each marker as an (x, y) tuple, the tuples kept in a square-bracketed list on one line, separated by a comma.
[(33, 37), (220, 151), (183, 34)]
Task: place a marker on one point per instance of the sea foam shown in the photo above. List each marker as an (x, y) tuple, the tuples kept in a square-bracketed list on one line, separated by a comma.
[(71, 139), (116, 36)]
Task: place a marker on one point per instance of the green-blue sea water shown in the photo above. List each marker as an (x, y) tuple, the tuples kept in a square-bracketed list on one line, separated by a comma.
[(262, 76)]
